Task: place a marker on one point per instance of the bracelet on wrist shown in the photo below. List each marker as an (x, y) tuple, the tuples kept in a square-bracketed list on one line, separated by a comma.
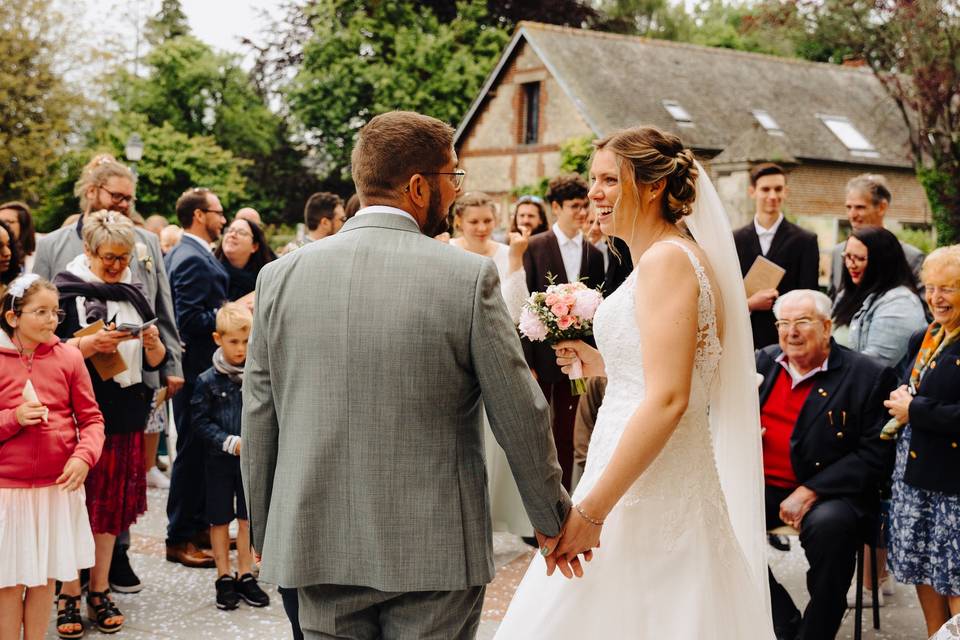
[(583, 514)]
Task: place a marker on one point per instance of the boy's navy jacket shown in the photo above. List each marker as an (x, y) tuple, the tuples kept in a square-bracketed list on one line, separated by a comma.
[(215, 408)]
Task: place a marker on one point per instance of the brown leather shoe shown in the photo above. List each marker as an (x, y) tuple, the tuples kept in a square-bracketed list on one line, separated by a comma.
[(189, 556)]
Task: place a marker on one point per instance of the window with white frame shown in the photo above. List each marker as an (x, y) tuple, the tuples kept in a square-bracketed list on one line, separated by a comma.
[(767, 122)]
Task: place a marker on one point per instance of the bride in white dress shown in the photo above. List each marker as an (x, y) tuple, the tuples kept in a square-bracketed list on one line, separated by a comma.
[(673, 481)]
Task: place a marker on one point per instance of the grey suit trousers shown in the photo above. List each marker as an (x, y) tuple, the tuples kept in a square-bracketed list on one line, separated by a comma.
[(329, 612)]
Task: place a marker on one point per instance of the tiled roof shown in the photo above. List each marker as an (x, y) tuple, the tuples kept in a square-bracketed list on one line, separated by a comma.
[(618, 81)]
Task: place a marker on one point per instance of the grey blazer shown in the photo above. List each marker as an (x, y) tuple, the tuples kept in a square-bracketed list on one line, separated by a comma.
[(55, 250), (362, 458)]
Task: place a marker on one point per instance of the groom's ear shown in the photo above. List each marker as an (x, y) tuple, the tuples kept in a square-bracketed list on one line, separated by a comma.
[(418, 190)]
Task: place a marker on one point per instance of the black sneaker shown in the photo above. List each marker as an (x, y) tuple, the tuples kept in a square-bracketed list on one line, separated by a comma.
[(251, 592), (227, 597), (122, 578), (780, 543)]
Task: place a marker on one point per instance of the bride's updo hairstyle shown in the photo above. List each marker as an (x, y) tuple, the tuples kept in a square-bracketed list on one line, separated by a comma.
[(646, 155)]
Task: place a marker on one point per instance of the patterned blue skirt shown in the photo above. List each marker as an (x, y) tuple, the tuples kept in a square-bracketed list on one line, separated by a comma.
[(924, 531)]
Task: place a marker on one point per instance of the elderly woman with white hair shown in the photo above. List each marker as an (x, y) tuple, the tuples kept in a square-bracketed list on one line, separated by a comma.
[(925, 410), (821, 408), (98, 293)]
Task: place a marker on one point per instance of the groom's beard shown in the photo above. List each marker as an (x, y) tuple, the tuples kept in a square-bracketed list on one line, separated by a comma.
[(436, 222)]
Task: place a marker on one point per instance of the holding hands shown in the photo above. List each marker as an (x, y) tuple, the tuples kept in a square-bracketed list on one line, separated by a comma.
[(579, 536)]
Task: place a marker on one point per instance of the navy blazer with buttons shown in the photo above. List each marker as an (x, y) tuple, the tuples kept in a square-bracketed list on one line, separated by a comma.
[(835, 447), (199, 285), (934, 415)]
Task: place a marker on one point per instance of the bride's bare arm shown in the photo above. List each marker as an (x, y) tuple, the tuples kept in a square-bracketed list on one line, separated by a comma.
[(666, 308)]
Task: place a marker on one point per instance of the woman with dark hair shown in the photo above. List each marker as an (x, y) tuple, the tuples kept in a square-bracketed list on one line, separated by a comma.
[(877, 308), (9, 257), (243, 252), (16, 215)]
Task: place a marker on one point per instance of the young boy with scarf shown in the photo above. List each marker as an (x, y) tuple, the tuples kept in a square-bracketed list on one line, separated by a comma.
[(216, 406)]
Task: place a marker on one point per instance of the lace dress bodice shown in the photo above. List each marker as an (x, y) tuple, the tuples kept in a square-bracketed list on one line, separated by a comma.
[(686, 466)]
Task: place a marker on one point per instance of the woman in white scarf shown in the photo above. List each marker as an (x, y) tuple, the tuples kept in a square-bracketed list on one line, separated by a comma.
[(98, 292)]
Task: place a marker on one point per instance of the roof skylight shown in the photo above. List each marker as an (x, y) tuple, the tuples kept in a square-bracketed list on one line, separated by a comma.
[(681, 115), (767, 122), (849, 135)]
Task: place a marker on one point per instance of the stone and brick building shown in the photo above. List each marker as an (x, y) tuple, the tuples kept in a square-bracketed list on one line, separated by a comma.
[(826, 123)]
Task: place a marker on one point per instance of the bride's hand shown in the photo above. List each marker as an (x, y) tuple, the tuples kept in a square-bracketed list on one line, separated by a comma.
[(591, 360), (579, 536)]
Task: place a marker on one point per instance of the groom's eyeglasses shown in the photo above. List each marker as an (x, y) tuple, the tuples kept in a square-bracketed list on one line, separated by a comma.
[(458, 176)]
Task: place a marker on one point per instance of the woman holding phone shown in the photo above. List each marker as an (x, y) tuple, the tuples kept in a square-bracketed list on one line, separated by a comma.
[(98, 294)]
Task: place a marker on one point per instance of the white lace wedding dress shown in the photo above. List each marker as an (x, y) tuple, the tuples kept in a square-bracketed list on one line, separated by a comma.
[(670, 566)]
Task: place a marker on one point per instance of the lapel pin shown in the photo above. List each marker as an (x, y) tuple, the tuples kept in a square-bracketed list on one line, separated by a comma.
[(822, 392)]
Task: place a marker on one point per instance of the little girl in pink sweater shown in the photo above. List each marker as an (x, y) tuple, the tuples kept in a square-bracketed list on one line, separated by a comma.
[(51, 433)]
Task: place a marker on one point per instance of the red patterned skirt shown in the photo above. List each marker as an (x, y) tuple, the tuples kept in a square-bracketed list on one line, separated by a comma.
[(117, 485)]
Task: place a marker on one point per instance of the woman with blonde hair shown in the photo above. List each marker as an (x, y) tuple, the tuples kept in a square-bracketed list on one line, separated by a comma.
[(673, 484), (99, 295)]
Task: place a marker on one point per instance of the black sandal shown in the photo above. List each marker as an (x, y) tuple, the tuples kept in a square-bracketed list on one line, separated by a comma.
[(69, 615), (103, 611)]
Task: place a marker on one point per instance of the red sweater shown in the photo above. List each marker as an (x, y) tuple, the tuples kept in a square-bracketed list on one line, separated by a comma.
[(779, 416), (34, 456)]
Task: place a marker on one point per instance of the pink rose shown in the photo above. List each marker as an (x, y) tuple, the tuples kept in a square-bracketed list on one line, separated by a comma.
[(565, 322), (531, 326), (559, 309), (586, 303), (551, 299)]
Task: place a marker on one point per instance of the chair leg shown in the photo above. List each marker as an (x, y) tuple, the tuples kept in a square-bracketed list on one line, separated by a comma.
[(858, 609), (874, 584)]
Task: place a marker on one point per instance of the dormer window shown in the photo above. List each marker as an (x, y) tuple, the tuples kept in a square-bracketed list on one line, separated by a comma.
[(767, 122), (679, 114), (850, 136)]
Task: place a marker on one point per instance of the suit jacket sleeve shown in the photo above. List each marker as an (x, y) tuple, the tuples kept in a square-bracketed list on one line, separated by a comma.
[(259, 427), (43, 259), (809, 264), (518, 413), (192, 283), (166, 320), (872, 461), (530, 271)]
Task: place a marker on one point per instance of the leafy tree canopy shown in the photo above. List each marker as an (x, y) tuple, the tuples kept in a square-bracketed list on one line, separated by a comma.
[(366, 60), (170, 22)]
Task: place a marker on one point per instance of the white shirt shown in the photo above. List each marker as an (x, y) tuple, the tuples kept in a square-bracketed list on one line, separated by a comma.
[(795, 376), (605, 250), (571, 249), (198, 240), (766, 235), (382, 208)]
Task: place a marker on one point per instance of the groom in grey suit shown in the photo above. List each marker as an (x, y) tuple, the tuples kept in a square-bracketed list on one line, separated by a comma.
[(362, 455)]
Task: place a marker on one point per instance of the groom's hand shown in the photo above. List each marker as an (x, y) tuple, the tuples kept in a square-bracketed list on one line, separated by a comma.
[(547, 547)]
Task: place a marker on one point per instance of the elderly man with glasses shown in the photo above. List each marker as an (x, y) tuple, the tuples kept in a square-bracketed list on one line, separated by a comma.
[(821, 408)]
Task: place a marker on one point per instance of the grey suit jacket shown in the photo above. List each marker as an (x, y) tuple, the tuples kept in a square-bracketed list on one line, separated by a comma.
[(362, 455), (55, 250)]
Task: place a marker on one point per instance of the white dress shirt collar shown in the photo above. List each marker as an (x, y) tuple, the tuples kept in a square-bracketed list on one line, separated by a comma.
[(203, 243), (766, 235), (571, 250), (795, 376), (382, 208)]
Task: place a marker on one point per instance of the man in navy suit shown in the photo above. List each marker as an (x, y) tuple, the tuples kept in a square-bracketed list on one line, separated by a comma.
[(199, 286)]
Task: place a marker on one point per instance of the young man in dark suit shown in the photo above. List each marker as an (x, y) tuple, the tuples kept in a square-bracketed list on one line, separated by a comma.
[(199, 285), (561, 254), (774, 237)]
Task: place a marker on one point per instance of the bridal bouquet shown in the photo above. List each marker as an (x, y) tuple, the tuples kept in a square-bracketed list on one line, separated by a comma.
[(562, 312)]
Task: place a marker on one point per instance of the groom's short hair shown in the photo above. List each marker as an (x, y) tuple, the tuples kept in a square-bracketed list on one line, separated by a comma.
[(393, 146)]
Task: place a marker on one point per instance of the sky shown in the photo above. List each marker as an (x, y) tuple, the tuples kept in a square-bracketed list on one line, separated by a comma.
[(221, 23)]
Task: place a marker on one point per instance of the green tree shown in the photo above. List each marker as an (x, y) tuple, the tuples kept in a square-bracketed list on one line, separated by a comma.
[(172, 162), (170, 22), (362, 61), (199, 92), (38, 106)]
